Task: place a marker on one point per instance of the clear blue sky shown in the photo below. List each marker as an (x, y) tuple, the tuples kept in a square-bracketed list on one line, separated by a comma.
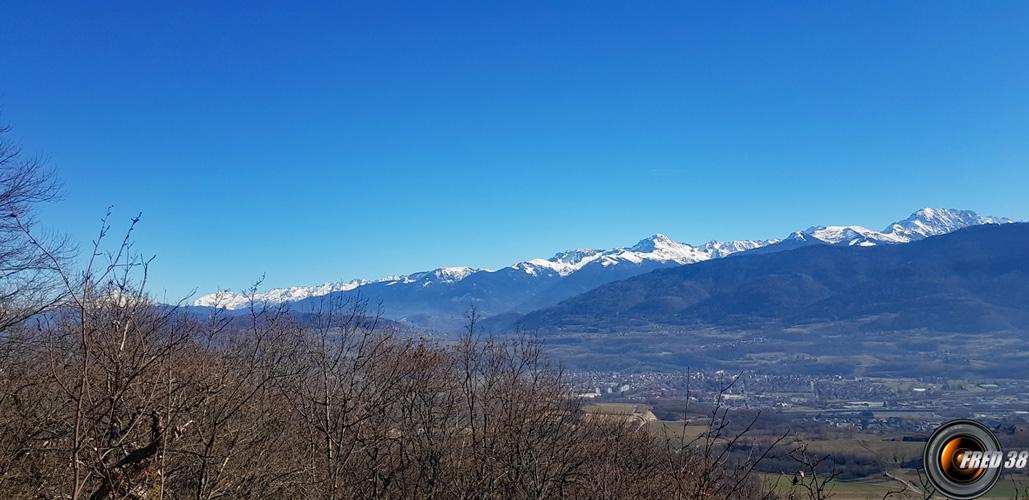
[(323, 142)]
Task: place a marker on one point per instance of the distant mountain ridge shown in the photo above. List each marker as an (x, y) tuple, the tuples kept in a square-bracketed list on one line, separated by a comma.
[(972, 280), (921, 224), (439, 297)]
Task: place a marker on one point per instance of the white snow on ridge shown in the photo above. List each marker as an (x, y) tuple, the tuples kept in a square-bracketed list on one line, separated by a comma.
[(921, 224), (936, 221), (719, 249), (230, 300), (657, 248), (852, 235), (441, 275)]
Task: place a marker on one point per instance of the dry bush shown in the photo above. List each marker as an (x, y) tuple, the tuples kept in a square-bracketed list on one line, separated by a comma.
[(29, 283), (106, 394), (129, 399), (115, 397)]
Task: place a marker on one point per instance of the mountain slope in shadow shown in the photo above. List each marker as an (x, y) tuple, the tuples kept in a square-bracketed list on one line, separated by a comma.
[(972, 280)]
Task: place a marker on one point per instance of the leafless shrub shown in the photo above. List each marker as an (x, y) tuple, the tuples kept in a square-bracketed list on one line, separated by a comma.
[(29, 283), (110, 395), (811, 481), (131, 399)]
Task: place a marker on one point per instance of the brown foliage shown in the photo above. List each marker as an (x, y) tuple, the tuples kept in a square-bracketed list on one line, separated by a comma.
[(110, 395), (116, 398)]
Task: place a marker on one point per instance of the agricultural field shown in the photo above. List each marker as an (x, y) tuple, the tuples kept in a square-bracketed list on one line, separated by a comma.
[(869, 465)]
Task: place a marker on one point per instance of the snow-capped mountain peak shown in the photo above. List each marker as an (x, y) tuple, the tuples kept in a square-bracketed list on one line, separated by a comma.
[(655, 242), (661, 248), (936, 221), (719, 249), (574, 256), (921, 224), (657, 248), (851, 235), (441, 275), (229, 300), (452, 274)]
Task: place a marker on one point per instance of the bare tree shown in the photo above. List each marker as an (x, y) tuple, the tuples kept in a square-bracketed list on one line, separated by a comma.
[(107, 394), (29, 283), (703, 467), (812, 480), (114, 396)]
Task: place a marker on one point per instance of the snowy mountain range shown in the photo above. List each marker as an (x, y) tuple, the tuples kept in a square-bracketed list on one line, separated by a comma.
[(973, 283), (921, 224), (439, 297)]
